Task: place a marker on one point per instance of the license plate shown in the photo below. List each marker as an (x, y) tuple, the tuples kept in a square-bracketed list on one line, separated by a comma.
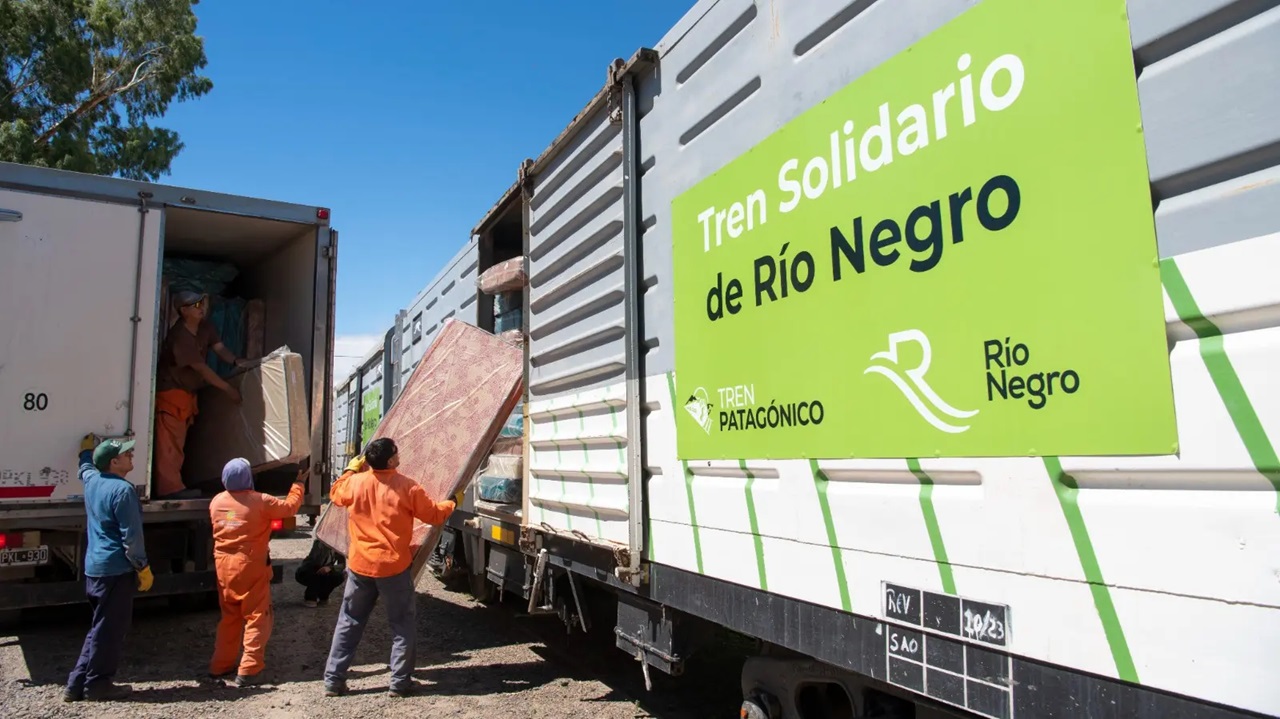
[(27, 557)]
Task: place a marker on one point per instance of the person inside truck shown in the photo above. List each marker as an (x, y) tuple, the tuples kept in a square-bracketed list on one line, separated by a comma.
[(181, 372), (241, 520), (321, 572), (115, 565), (382, 505)]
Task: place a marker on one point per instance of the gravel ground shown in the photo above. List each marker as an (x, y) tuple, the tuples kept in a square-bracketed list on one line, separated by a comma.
[(473, 661)]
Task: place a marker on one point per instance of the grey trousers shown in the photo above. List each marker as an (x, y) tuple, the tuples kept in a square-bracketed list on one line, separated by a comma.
[(358, 598)]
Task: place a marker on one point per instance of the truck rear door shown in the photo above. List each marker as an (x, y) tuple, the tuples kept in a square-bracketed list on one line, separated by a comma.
[(78, 284)]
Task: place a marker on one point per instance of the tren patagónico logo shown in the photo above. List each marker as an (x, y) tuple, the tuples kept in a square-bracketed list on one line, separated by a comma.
[(912, 384), (699, 407)]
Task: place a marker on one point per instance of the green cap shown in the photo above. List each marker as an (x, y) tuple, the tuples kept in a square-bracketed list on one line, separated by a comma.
[(109, 450)]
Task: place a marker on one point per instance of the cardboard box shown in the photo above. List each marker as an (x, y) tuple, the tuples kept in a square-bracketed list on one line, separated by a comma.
[(271, 428)]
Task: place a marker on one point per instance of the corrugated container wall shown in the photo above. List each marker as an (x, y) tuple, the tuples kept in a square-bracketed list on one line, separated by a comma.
[(341, 449), (578, 464), (451, 294)]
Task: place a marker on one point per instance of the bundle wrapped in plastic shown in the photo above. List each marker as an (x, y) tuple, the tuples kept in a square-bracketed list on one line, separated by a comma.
[(503, 277), (270, 427), (508, 321), (505, 465), (514, 426), (504, 302), (499, 490), (513, 337), (508, 446)]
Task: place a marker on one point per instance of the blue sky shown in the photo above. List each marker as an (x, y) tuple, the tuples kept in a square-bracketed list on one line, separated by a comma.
[(408, 119)]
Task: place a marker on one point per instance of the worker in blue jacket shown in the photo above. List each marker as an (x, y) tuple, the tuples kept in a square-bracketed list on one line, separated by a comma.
[(115, 564)]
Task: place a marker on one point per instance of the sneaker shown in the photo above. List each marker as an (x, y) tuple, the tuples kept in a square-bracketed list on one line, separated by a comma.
[(248, 680), (310, 603), (107, 692), (335, 690), (72, 694)]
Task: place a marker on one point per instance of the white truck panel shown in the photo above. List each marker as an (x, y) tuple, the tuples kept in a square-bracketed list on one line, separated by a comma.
[(65, 370)]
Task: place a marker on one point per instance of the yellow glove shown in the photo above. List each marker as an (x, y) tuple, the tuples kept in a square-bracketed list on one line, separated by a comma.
[(358, 464), (89, 442), (145, 579)]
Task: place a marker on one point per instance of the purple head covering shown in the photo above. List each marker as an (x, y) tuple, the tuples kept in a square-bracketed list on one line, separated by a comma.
[(236, 476)]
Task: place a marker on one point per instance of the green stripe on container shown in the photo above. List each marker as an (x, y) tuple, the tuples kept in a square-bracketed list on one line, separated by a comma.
[(688, 478), (1067, 491), (931, 524), (820, 481), (564, 487), (755, 524), (1261, 452), (591, 483)]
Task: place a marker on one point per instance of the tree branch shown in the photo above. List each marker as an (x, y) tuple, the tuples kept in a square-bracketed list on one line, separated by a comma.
[(99, 96), (93, 101), (18, 85)]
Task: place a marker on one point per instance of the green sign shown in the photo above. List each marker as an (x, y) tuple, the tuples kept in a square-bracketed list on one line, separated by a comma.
[(954, 255), (371, 414)]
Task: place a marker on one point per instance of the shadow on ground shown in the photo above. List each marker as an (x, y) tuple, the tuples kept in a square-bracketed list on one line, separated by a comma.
[(171, 645)]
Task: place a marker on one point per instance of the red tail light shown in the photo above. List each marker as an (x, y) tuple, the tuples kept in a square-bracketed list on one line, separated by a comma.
[(11, 540), (277, 525)]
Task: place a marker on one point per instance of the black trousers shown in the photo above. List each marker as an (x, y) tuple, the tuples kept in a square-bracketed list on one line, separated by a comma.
[(320, 586), (112, 601)]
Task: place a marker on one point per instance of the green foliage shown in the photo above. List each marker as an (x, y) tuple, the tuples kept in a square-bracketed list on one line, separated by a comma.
[(82, 79)]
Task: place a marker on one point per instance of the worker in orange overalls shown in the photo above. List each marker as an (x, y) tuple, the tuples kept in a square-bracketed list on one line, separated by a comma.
[(241, 532), (181, 371)]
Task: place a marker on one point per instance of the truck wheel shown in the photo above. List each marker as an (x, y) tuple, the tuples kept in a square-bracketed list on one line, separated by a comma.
[(761, 706)]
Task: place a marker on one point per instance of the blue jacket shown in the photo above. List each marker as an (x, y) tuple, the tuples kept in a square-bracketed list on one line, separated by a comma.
[(115, 522)]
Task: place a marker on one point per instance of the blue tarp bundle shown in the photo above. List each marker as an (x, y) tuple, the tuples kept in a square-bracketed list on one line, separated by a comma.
[(227, 315), (502, 490), (514, 426), (203, 276)]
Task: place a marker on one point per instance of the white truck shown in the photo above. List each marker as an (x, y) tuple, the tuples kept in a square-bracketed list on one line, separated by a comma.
[(81, 260)]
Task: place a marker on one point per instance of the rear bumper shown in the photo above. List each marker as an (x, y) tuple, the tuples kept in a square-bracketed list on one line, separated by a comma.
[(25, 595)]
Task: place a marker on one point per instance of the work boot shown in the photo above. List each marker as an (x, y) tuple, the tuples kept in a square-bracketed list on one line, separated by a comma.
[(406, 690), (212, 680), (73, 694), (336, 689), (248, 680), (107, 691)]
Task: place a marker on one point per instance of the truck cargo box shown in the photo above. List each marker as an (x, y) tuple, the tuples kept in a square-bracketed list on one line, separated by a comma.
[(82, 259)]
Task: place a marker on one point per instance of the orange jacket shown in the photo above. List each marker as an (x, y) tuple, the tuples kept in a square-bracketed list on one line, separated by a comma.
[(242, 521), (382, 505)]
